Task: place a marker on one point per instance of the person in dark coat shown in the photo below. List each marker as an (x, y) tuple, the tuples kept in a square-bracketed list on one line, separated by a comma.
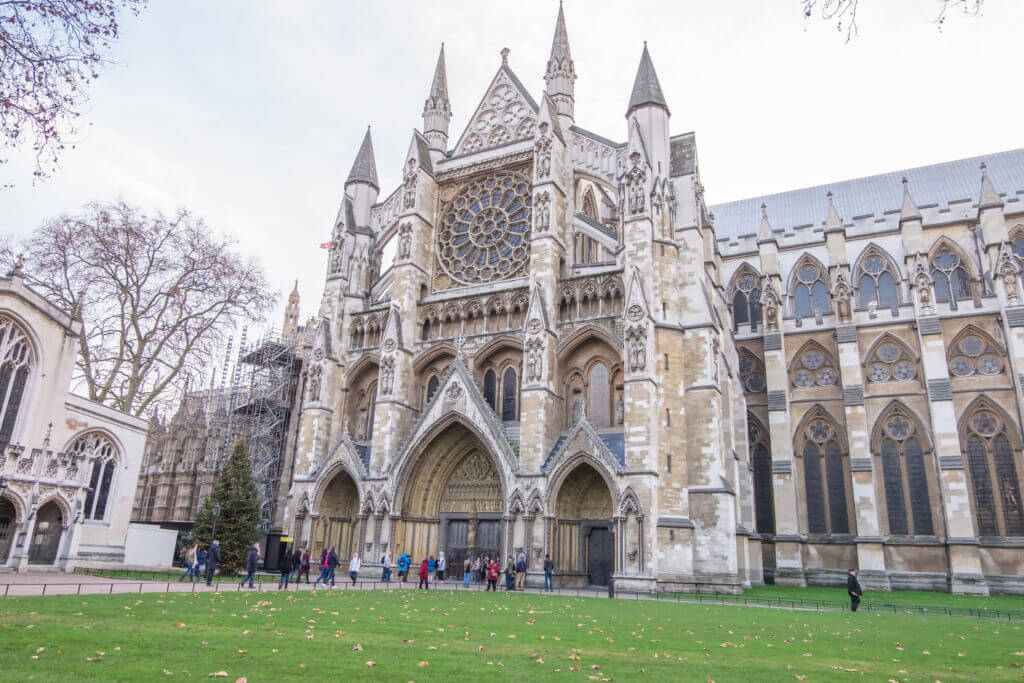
[(212, 558), (549, 568), (304, 566), (286, 565), (854, 589), (425, 574), (250, 563), (297, 564), (332, 564)]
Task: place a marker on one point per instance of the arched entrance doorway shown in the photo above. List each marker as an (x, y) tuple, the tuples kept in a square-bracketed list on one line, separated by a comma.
[(8, 528), (452, 501), (582, 541), (46, 537), (335, 525)]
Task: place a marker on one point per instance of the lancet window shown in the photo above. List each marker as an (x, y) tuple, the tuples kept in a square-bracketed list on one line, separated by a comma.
[(905, 476), (824, 478), (760, 456), (746, 300), (810, 290), (876, 282), (15, 366), (991, 463), (952, 283), (98, 448)]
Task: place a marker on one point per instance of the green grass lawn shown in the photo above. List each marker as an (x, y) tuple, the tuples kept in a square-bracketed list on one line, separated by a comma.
[(464, 636)]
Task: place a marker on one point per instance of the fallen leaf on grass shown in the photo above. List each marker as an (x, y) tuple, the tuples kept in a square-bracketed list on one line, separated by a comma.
[(241, 680), (357, 647), (218, 674), (423, 664), (370, 663)]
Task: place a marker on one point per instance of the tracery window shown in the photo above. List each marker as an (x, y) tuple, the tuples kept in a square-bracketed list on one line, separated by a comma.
[(484, 232), (590, 206), (905, 477), (877, 283), (15, 365), (971, 354), (746, 301), (761, 459), (432, 385), (810, 291), (814, 367), (751, 373), (1017, 245), (824, 479), (600, 403), (993, 475), (98, 448), (950, 276), (509, 396), (889, 362), (491, 389)]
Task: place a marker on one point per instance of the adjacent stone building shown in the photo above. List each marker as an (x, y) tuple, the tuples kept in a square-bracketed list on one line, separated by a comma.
[(544, 341), (68, 466)]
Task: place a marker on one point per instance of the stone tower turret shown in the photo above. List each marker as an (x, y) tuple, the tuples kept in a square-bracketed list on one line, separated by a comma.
[(561, 73), (362, 184), (437, 110), (291, 313)]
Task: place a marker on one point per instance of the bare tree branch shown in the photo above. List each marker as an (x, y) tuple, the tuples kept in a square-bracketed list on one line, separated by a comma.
[(156, 296), (844, 12), (50, 51)]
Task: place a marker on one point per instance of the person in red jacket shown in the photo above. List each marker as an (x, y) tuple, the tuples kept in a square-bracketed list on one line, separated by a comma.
[(492, 575), (424, 574)]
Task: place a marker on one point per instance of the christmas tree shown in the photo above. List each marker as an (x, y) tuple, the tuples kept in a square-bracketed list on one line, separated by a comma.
[(239, 518)]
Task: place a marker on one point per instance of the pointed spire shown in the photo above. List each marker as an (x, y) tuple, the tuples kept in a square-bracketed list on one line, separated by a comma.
[(437, 110), (364, 169), (646, 88), (294, 296), (765, 233), (832, 220), (909, 210), (989, 197), (561, 72)]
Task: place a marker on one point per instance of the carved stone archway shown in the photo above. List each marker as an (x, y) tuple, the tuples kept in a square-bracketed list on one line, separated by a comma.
[(335, 522), (451, 500), (582, 545)]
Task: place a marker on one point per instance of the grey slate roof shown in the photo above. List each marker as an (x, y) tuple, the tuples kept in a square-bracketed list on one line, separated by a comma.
[(364, 168), (363, 450), (682, 155), (646, 88), (935, 185), (615, 441)]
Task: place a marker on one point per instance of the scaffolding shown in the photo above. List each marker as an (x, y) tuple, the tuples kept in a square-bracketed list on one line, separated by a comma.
[(253, 403)]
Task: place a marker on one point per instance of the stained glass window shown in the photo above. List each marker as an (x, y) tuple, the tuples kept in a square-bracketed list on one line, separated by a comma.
[(993, 476), (950, 278), (810, 292), (98, 448), (600, 405), (746, 300), (824, 480), (764, 508)]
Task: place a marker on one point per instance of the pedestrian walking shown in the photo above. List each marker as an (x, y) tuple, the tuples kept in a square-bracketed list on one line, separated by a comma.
[(476, 568), (297, 563), (354, 566), (201, 559), (432, 567), (520, 571), (385, 563), (325, 570), (192, 564), (250, 563), (403, 567), (304, 566), (467, 570), (492, 576), (332, 564), (441, 566), (286, 565), (549, 568), (854, 589), (425, 574), (212, 558), (510, 572)]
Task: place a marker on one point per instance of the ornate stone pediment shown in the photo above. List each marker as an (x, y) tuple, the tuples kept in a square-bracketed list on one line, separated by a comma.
[(506, 113)]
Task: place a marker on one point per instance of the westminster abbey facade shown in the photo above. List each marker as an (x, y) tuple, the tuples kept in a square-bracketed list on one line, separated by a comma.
[(571, 354)]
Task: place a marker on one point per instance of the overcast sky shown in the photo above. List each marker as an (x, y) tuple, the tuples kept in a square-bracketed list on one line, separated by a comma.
[(250, 113)]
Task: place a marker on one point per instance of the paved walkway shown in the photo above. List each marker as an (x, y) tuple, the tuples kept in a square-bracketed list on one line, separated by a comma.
[(42, 584)]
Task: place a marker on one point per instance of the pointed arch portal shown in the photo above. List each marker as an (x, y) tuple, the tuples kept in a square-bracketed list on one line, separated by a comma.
[(452, 500), (336, 520), (582, 541)]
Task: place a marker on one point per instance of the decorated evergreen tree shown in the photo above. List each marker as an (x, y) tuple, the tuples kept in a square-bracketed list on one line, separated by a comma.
[(239, 518)]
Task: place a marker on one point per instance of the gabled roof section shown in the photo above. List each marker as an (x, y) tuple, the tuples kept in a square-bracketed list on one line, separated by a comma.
[(646, 88), (937, 185), (610, 448), (364, 168), (505, 114)]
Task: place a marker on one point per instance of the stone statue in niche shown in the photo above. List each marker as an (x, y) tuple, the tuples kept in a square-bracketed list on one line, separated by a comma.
[(542, 211), (636, 343), (542, 153), (404, 240), (620, 410), (534, 360), (314, 383), (409, 186), (635, 178), (1008, 271), (387, 375), (923, 281), (579, 410), (841, 292), (361, 426), (770, 301)]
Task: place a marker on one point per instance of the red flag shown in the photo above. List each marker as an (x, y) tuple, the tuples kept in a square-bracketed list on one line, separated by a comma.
[(325, 245)]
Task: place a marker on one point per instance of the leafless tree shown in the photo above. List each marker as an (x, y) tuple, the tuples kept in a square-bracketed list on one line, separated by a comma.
[(156, 296), (844, 12), (50, 51)]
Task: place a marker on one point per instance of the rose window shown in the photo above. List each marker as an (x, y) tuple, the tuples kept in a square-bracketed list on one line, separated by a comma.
[(890, 362), (751, 374), (975, 356), (814, 368), (484, 232)]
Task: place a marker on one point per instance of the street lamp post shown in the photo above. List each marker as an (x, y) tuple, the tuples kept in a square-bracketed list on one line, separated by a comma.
[(216, 512), (611, 580)]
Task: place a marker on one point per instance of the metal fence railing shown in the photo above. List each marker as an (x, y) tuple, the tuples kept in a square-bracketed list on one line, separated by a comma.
[(137, 582)]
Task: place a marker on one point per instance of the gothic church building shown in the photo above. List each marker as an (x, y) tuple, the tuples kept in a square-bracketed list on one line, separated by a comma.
[(573, 355)]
